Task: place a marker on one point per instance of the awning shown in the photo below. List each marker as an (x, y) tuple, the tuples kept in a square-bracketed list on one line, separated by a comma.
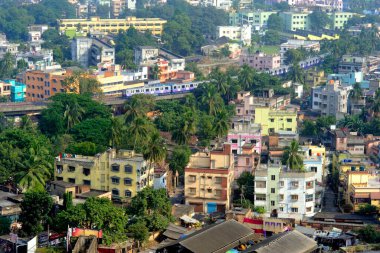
[(188, 219), (361, 195)]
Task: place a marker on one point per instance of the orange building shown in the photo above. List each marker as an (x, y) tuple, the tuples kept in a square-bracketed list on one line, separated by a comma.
[(42, 84)]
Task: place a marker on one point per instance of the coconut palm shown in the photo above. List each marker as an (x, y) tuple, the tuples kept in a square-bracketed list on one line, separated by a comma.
[(36, 169), (7, 65), (221, 123), (292, 157), (155, 151), (211, 98), (26, 123), (296, 74), (132, 110), (116, 132), (138, 129), (185, 129), (219, 80), (245, 77), (73, 114), (155, 72), (354, 123), (356, 93)]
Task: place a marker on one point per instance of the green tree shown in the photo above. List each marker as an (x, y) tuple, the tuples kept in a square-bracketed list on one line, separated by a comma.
[(221, 123), (367, 209), (272, 37), (179, 159), (67, 200), (96, 213), (116, 132), (292, 157), (35, 208), (96, 130), (138, 129), (245, 77), (138, 106), (325, 122), (296, 74), (72, 115), (309, 128), (139, 231), (275, 22), (155, 151), (210, 98), (225, 51), (293, 56), (152, 206), (369, 234), (246, 185), (319, 20), (83, 148), (7, 64)]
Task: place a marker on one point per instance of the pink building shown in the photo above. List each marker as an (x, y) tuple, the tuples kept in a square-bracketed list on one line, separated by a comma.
[(247, 160), (260, 61), (244, 132)]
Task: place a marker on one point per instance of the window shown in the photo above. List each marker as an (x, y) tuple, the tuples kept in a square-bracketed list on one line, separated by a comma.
[(294, 197), (309, 185), (308, 209), (294, 210), (209, 190), (128, 168), (127, 181), (72, 180), (314, 169), (115, 192), (261, 184), (234, 141), (261, 197), (218, 180), (192, 191), (59, 169), (294, 184), (115, 167), (281, 183), (86, 171), (271, 120), (128, 193), (218, 193), (192, 178), (272, 203), (281, 209), (59, 178), (71, 169), (281, 197), (115, 180), (273, 177), (87, 182), (271, 130), (309, 197), (272, 190)]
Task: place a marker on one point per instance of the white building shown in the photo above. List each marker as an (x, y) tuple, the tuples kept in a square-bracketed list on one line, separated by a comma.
[(219, 4), (295, 44), (298, 90), (331, 99), (131, 4), (241, 33), (291, 194)]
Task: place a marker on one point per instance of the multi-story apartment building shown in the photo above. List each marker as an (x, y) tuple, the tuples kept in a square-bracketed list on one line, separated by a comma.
[(242, 132), (5, 89), (260, 60), (92, 51), (240, 33), (340, 19), (324, 4), (351, 63), (344, 140), (296, 20), (154, 25), (295, 44), (331, 99), (247, 160), (43, 82), (360, 187), (273, 121), (122, 172), (256, 19), (117, 7), (246, 103), (6, 46), (314, 160), (208, 180), (290, 193), (346, 79)]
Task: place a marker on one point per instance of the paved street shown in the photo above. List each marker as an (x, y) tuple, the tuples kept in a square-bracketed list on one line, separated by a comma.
[(329, 201), (177, 197)]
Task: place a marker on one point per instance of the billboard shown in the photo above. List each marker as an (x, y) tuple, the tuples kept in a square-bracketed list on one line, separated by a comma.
[(76, 232)]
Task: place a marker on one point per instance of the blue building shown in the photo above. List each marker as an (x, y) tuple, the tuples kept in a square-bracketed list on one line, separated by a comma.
[(347, 79), (17, 91)]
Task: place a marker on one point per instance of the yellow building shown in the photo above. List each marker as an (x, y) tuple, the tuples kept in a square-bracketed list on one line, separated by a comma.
[(208, 180), (124, 173), (273, 121), (154, 25), (360, 187)]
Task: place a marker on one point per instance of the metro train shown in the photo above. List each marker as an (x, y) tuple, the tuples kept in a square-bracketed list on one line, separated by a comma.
[(162, 89)]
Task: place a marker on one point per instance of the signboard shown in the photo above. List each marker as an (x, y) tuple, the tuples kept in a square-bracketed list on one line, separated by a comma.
[(86, 232)]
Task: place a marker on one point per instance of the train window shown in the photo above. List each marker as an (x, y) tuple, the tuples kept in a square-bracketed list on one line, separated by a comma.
[(183, 86), (166, 88), (174, 87), (147, 90), (191, 85), (157, 88)]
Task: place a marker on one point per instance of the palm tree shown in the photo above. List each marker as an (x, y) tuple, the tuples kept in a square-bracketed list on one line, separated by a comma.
[(354, 123), (7, 65), (292, 157), (190, 101), (219, 80), (155, 72), (296, 74), (132, 110), (210, 97), (185, 129), (221, 123), (116, 132), (73, 114), (155, 151), (36, 169), (245, 77), (26, 122), (138, 129)]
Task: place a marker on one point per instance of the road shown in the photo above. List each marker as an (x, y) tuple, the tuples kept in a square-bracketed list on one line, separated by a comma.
[(329, 202), (177, 197)]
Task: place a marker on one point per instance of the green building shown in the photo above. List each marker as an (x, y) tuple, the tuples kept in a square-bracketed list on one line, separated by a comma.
[(296, 20), (257, 19), (339, 19)]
